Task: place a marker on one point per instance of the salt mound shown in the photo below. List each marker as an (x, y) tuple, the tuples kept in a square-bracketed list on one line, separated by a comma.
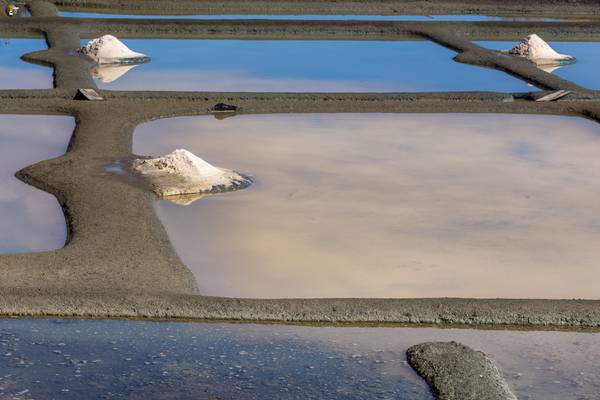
[(110, 50), (181, 172), (535, 49)]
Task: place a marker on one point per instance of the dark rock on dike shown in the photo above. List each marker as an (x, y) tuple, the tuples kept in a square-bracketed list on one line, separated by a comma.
[(457, 372)]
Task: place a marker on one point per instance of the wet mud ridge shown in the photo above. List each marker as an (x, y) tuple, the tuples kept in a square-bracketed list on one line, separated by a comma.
[(457, 372), (118, 261)]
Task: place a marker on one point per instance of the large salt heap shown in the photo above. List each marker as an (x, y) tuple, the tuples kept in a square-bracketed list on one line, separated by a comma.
[(535, 49), (110, 50), (181, 172)]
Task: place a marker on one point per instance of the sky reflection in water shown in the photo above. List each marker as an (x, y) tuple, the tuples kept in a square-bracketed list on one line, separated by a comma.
[(305, 66), (140, 360), (30, 219), (18, 74), (391, 205), (584, 72)]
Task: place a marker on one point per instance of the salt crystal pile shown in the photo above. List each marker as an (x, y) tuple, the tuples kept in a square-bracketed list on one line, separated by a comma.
[(535, 49), (181, 172), (110, 50)]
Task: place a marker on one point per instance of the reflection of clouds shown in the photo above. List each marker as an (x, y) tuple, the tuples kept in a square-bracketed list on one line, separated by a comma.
[(212, 80), (26, 78), (391, 205), (30, 220), (301, 66)]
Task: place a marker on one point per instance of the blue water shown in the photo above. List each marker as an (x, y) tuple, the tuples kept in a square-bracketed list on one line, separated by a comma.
[(304, 66), (72, 359), (18, 74), (584, 72), (311, 17), (120, 359)]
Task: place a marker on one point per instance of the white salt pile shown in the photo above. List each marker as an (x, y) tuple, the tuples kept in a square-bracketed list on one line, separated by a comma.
[(110, 50), (181, 172), (535, 49)]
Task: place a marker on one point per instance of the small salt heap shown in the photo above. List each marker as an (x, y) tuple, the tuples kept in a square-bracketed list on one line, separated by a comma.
[(181, 172), (535, 49), (110, 50)]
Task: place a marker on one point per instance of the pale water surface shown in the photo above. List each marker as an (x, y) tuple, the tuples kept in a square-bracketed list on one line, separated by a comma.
[(18, 74), (30, 219), (404, 205), (44, 359), (300, 66)]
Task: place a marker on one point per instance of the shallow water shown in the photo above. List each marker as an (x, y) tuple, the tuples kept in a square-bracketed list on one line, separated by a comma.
[(583, 72), (311, 17), (404, 205), (30, 219), (301, 66), (107, 359), (18, 74)]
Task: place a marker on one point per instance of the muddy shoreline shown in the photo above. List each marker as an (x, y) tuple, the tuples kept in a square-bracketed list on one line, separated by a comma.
[(298, 30), (553, 8), (118, 261), (486, 313)]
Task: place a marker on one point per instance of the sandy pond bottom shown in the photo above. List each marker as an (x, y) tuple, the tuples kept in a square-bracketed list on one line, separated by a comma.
[(390, 205), (30, 219), (71, 359), (18, 74), (300, 66)]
